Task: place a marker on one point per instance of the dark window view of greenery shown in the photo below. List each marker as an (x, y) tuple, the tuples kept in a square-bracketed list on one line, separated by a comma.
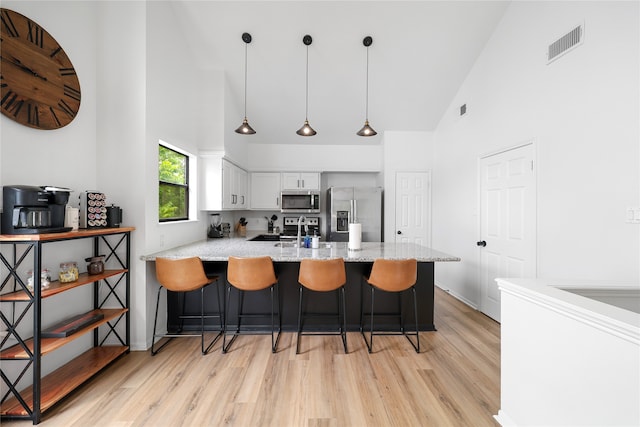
[(173, 172)]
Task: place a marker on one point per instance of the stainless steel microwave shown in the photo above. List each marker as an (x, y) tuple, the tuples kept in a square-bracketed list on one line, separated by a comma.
[(300, 201)]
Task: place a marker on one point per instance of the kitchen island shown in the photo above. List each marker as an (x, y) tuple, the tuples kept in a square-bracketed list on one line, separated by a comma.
[(286, 257)]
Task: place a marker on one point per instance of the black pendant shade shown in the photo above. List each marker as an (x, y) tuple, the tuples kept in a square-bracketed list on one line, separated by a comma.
[(245, 128), (306, 129), (366, 129)]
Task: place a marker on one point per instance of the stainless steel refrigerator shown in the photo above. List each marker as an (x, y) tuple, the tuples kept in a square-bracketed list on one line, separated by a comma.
[(354, 204)]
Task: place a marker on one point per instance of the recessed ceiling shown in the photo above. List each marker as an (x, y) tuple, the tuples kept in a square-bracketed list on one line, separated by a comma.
[(421, 53)]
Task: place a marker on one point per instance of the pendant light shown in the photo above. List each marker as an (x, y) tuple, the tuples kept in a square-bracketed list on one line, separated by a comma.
[(366, 129), (306, 129), (245, 128)]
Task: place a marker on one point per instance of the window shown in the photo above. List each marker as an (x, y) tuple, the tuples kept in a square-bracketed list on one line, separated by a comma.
[(173, 185)]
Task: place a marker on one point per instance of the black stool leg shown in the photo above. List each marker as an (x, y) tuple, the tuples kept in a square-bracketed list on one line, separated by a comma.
[(299, 320), (225, 345), (361, 307), (370, 342), (344, 320), (274, 341), (155, 321), (202, 320), (415, 312)]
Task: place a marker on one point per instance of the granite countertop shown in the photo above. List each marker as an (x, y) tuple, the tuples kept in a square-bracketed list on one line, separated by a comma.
[(221, 249)]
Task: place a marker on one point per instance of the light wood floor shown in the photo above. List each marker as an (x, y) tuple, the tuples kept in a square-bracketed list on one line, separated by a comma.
[(455, 381)]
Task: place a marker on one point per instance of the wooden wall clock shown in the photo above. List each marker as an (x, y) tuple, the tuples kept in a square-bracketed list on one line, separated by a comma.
[(39, 87)]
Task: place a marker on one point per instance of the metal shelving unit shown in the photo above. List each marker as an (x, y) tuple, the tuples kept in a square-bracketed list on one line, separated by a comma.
[(20, 354)]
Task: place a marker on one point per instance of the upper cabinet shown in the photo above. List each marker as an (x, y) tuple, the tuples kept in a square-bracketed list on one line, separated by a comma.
[(235, 193), (223, 185), (301, 181), (265, 190)]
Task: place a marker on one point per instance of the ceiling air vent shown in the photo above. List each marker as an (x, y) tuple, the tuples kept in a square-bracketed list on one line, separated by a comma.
[(565, 44)]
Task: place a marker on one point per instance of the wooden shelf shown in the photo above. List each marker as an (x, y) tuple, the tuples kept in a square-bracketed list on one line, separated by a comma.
[(78, 234), (65, 379), (56, 286), (48, 345)]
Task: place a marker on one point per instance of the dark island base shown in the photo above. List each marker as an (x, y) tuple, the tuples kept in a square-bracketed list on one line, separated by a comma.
[(287, 272)]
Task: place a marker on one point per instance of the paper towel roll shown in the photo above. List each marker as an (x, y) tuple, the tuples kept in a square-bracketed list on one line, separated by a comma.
[(355, 236)]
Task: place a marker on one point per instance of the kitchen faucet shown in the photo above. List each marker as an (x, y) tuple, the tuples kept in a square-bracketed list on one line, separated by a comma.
[(306, 228)]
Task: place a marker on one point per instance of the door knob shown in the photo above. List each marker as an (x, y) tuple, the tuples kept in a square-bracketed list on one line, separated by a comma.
[(399, 232), (481, 243)]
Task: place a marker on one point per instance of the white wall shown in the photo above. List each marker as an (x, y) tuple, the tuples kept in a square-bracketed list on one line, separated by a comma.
[(314, 158), (173, 114), (122, 166), (63, 157), (133, 94), (582, 113), (403, 152)]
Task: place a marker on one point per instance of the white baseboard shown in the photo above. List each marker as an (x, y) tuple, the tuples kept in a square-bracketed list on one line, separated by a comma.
[(504, 420), (456, 296)]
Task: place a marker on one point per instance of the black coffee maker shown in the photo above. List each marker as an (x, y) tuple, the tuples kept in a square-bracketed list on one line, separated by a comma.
[(34, 210)]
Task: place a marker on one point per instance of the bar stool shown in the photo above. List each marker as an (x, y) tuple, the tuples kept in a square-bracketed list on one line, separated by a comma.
[(248, 275), (391, 276), (323, 275), (184, 275)]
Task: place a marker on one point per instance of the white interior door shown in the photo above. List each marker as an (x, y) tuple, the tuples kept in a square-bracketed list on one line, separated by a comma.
[(413, 213), (507, 222)]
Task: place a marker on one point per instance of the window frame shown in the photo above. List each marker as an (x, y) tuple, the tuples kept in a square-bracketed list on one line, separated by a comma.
[(186, 185)]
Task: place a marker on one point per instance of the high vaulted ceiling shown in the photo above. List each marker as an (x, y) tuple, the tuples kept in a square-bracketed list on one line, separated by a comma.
[(421, 53)]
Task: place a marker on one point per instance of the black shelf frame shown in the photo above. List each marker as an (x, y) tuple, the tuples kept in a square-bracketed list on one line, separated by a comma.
[(107, 243)]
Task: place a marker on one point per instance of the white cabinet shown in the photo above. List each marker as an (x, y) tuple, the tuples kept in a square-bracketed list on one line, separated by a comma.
[(265, 190), (300, 181), (224, 186), (234, 186)]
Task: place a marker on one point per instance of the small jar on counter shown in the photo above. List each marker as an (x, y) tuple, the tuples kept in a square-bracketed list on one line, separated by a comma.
[(68, 272)]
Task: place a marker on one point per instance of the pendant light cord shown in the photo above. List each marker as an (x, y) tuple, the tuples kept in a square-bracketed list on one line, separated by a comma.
[(366, 115), (306, 107), (245, 80)]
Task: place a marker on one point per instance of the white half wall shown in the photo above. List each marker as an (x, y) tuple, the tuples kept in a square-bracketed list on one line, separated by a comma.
[(567, 360), (582, 112)]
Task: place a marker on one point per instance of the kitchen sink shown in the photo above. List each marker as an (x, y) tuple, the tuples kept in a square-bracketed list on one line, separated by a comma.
[(288, 244), (266, 238)]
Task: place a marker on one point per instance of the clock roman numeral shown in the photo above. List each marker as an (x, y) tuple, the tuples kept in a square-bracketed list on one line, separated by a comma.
[(32, 115), (7, 100), (67, 72), (8, 24), (65, 107), (72, 93), (55, 52), (9, 103), (53, 113), (36, 33)]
